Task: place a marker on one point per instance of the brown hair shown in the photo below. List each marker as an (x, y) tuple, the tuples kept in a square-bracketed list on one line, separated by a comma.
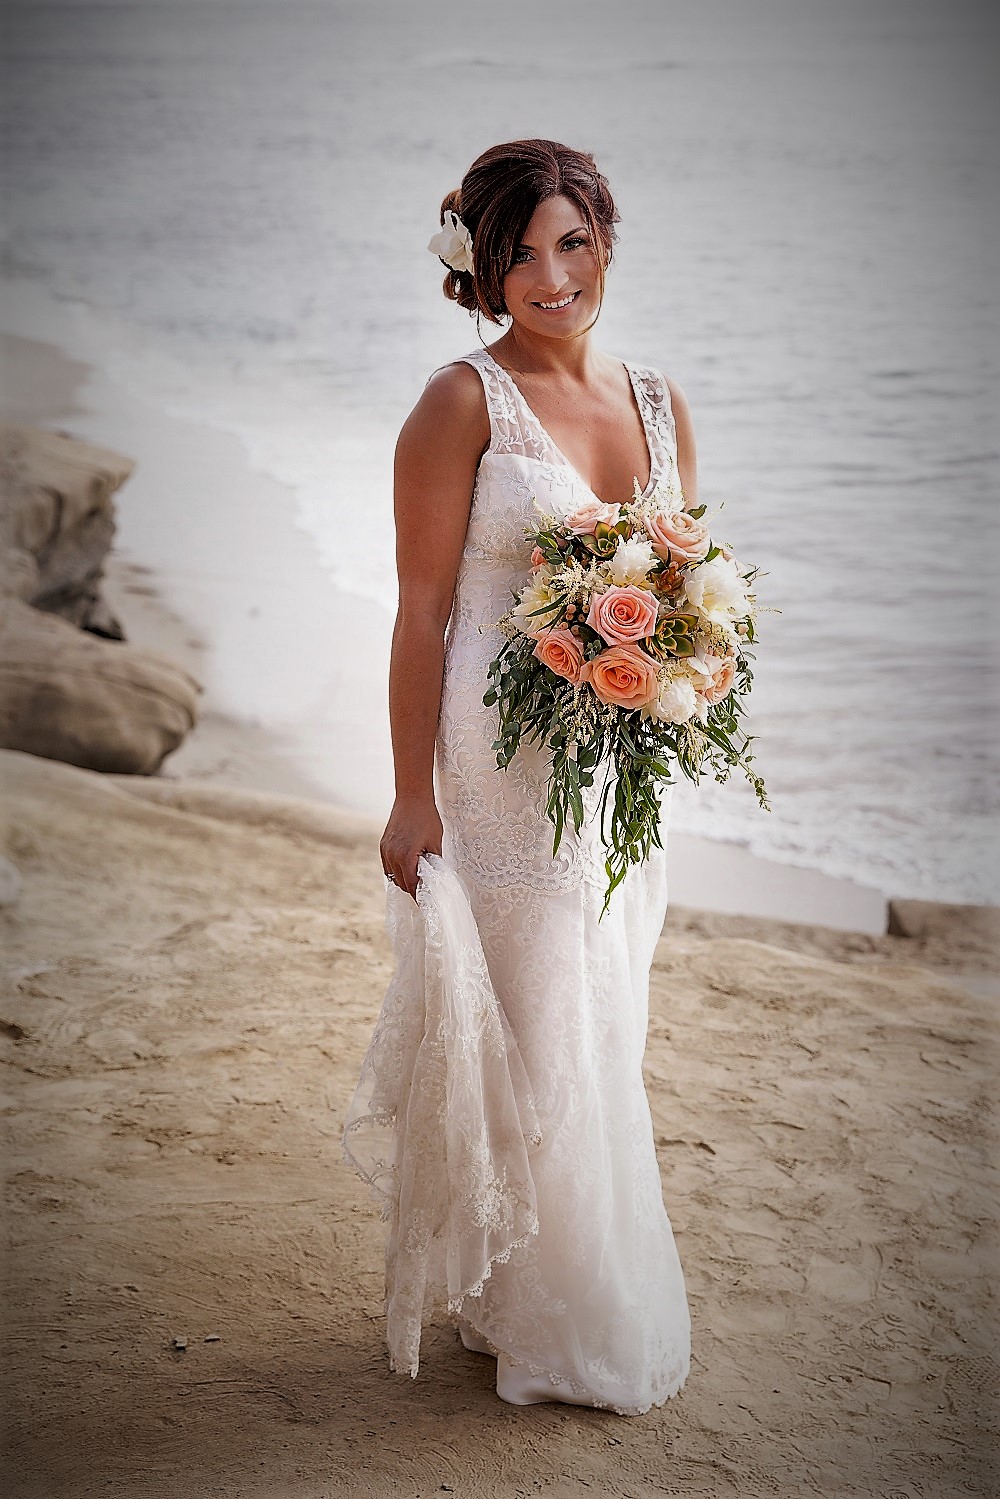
[(499, 194)]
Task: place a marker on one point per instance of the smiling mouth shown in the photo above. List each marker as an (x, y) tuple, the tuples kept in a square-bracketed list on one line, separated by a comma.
[(558, 306)]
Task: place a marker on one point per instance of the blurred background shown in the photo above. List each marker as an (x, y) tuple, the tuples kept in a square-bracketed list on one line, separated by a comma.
[(216, 218)]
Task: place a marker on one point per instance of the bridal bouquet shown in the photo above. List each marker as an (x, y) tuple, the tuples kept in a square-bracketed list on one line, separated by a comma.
[(628, 645)]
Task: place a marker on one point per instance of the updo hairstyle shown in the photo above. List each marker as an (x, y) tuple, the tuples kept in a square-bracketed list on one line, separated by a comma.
[(499, 194)]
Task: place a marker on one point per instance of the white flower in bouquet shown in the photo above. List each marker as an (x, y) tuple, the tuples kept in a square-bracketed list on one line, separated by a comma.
[(632, 561), (717, 591), (676, 703), (535, 595)]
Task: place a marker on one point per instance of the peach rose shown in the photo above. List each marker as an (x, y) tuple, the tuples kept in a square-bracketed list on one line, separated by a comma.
[(537, 557), (622, 676), (588, 516), (620, 615), (715, 690), (678, 537), (560, 650)]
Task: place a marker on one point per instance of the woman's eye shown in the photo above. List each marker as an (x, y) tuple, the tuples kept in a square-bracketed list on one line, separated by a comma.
[(521, 257)]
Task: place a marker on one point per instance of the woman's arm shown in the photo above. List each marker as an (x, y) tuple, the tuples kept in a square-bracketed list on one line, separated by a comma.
[(687, 457), (438, 451)]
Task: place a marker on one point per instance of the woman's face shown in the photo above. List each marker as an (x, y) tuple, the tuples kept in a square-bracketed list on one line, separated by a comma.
[(553, 285)]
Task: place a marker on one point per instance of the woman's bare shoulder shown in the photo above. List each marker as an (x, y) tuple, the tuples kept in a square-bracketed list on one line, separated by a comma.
[(453, 403), (455, 387), (449, 427)]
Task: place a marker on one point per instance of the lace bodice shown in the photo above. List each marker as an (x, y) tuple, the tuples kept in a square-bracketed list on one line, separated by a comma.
[(523, 461), (492, 816)]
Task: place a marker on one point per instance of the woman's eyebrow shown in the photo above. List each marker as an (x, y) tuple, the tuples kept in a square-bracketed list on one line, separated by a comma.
[(580, 229)]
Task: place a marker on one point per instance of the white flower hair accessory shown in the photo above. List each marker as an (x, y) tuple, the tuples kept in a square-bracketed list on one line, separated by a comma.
[(453, 244)]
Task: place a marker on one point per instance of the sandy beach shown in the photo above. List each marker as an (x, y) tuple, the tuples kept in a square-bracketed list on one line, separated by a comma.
[(190, 978)]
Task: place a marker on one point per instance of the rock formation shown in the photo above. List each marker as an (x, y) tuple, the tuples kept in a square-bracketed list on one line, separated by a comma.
[(71, 687)]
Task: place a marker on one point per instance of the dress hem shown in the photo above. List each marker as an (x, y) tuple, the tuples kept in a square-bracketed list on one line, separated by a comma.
[(575, 1385)]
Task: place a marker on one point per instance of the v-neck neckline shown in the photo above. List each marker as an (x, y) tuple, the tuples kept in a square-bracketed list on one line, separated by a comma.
[(558, 450)]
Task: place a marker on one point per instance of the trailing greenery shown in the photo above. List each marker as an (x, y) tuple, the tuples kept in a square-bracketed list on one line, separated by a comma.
[(584, 736)]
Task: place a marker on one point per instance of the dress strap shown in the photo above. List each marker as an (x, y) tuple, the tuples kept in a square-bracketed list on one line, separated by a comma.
[(653, 396), (506, 429)]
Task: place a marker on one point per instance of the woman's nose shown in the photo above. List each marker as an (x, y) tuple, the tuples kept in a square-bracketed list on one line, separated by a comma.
[(552, 276)]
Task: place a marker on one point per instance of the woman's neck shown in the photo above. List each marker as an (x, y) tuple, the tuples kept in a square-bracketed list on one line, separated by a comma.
[(525, 353)]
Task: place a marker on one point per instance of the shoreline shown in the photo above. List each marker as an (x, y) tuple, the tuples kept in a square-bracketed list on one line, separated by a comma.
[(210, 568), (718, 877)]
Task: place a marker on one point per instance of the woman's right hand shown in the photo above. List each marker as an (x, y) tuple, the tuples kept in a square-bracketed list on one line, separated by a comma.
[(414, 828)]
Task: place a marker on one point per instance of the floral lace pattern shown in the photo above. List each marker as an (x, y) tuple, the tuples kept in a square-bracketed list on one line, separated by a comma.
[(442, 1119), (501, 1116), (496, 831)]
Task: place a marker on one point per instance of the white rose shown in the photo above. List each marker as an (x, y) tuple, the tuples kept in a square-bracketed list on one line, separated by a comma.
[(632, 561), (453, 243), (676, 703), (716, 590)]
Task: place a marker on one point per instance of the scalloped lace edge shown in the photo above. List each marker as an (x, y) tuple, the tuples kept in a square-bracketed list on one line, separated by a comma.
[(574, 1384)]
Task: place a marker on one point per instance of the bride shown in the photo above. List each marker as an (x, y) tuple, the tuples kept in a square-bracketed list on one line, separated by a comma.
[(501, 1116)]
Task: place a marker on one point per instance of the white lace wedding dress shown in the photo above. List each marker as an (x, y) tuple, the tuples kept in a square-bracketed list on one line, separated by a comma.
[(501, 1116)]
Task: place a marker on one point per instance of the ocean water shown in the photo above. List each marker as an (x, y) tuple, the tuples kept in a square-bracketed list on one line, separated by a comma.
[(241, 194)]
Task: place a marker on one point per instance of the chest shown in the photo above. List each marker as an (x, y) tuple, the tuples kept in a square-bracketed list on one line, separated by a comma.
[(601, 436)]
